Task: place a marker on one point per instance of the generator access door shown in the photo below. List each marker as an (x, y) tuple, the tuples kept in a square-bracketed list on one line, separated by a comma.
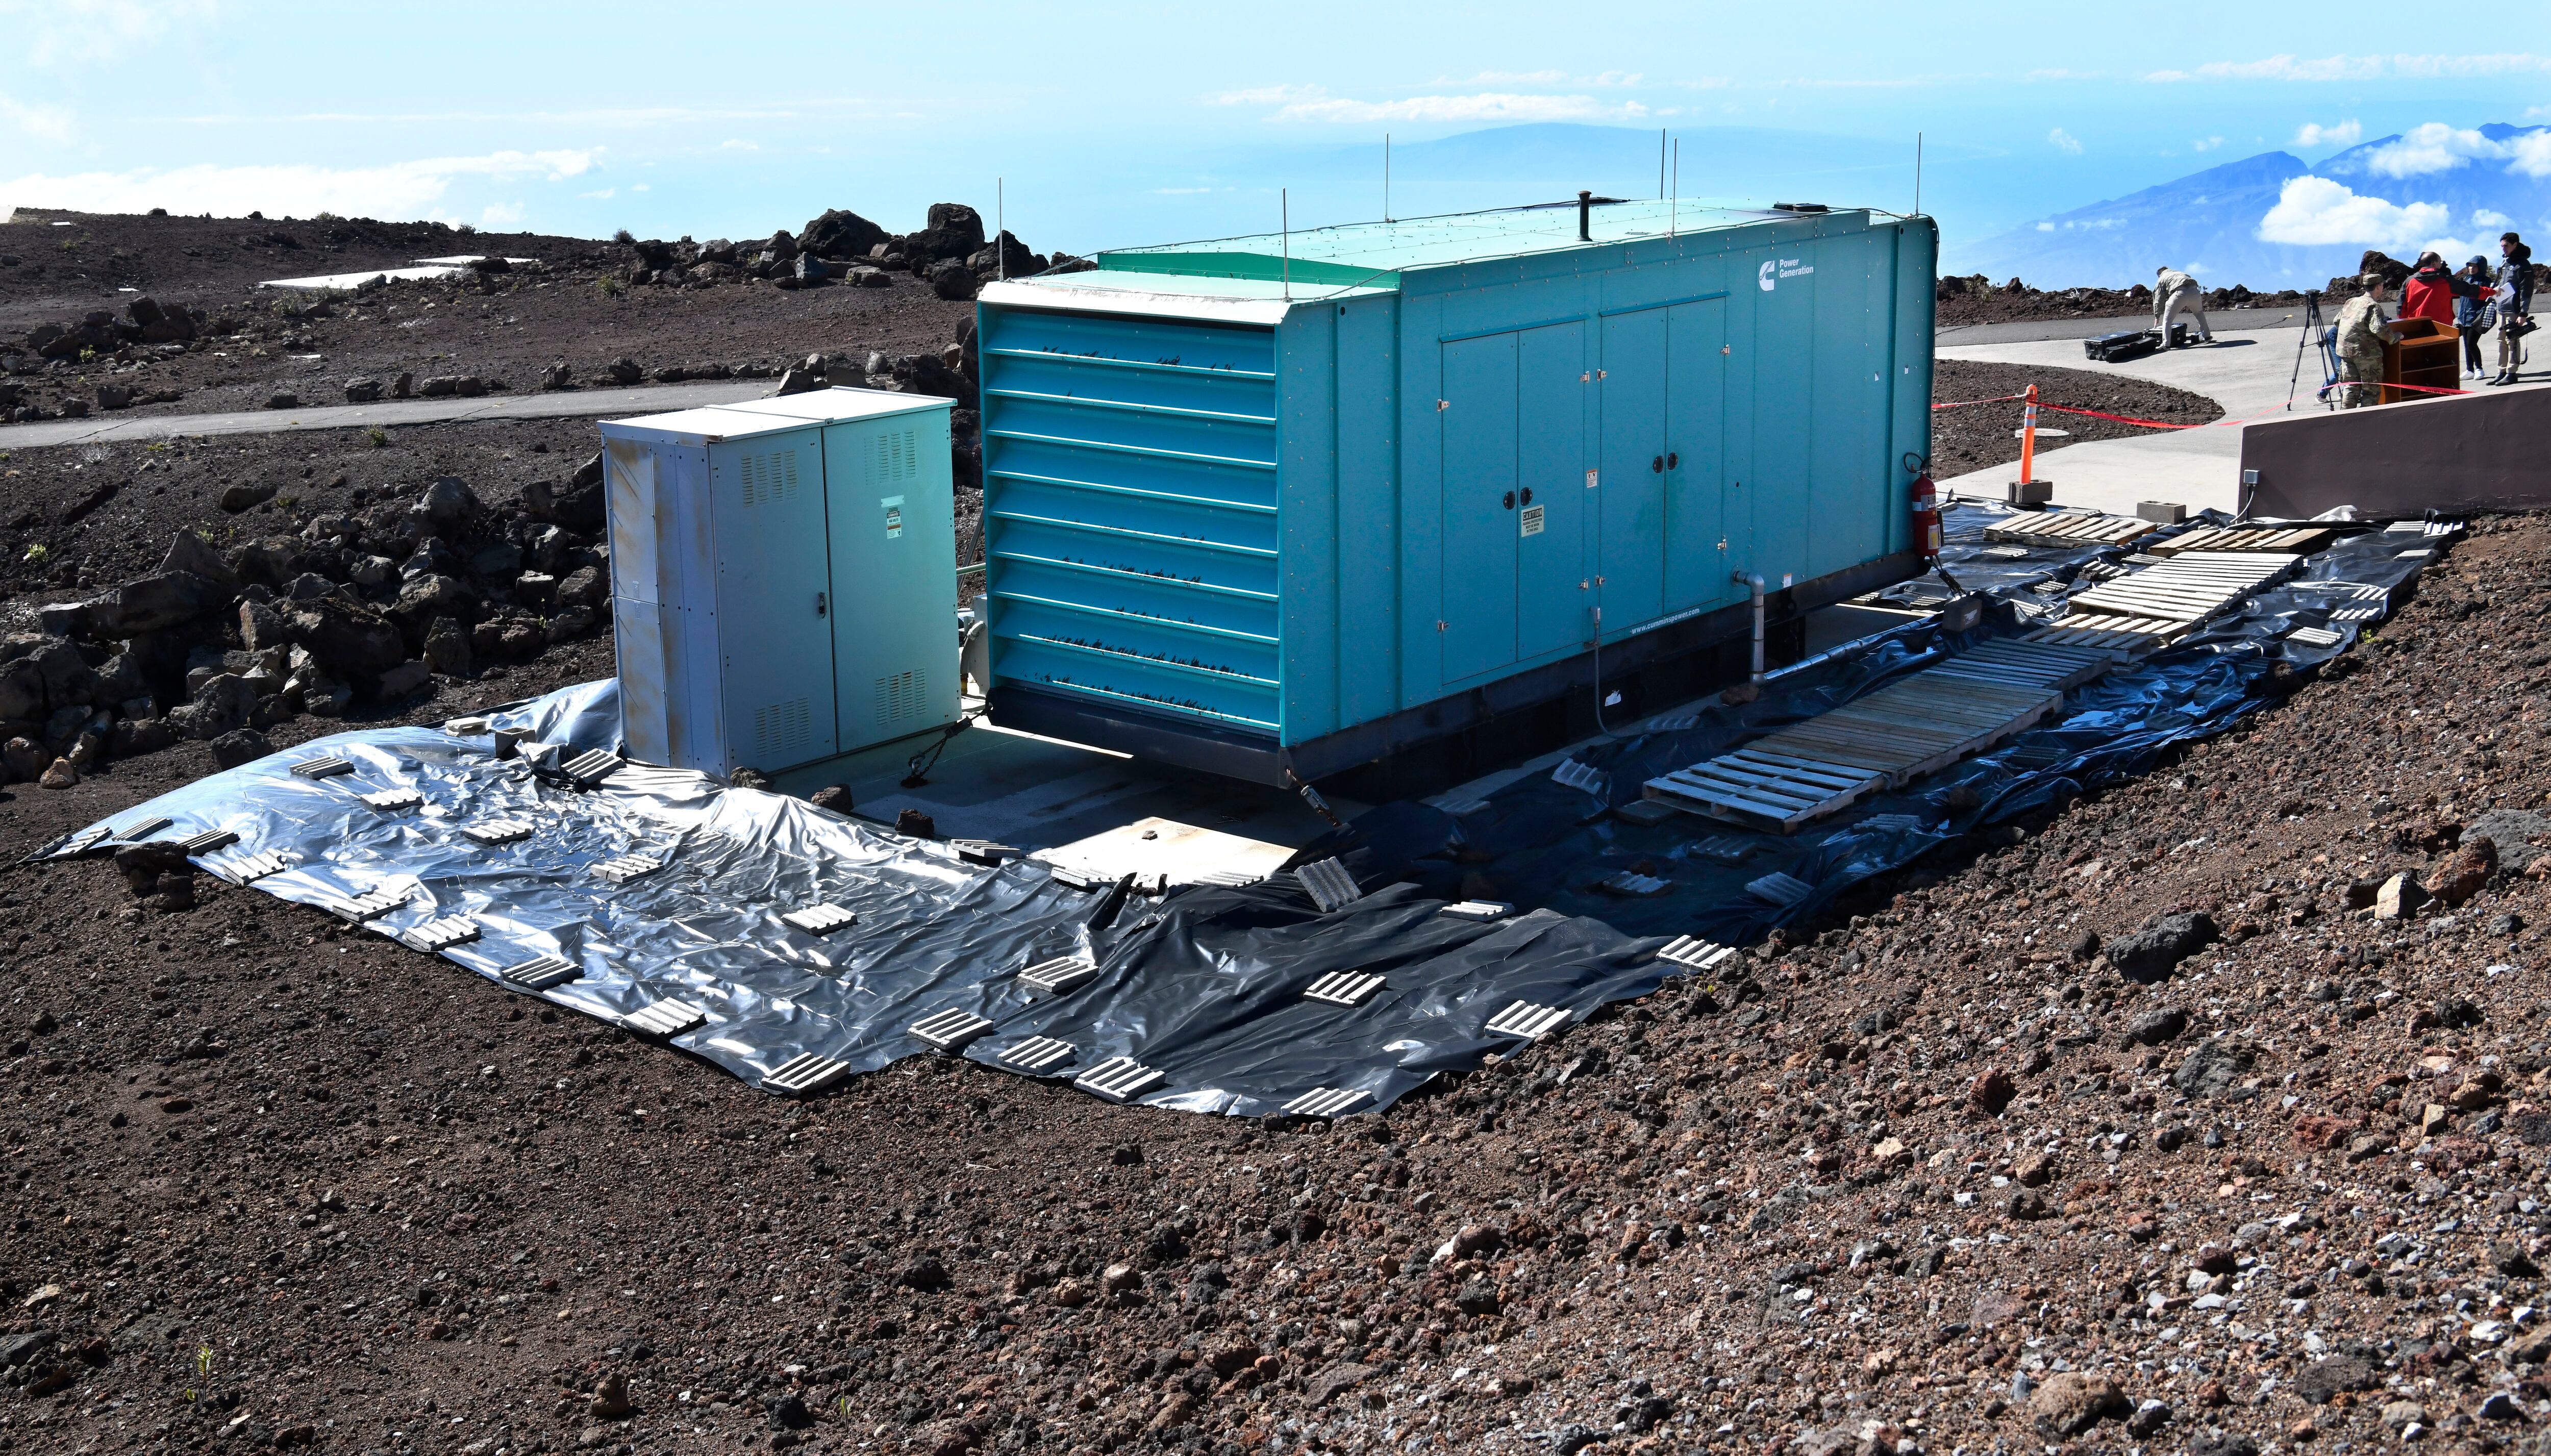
[(1513, 498)]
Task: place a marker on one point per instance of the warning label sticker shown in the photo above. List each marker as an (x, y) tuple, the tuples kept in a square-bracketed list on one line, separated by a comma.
[(1532, 520)]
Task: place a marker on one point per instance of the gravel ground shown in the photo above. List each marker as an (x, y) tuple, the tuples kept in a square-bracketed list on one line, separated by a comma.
[(1935, 1176), (1973, 438), (503, 331)]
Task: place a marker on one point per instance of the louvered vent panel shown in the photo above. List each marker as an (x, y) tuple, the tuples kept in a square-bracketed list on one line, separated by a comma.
[(782, 728), (898, 697), (766, 479), (898, 456)]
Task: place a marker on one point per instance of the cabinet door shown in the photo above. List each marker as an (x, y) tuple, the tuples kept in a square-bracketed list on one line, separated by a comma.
[(1551, 504), (1630, 555), (894, 559), (1478, 420), (1699, 534), (775, 594)]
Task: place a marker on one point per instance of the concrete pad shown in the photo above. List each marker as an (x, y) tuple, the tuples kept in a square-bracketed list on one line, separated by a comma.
[(1038, 793), (1184, 853), (426, 267), (559, 404), (2249, 373), (2028, 331)]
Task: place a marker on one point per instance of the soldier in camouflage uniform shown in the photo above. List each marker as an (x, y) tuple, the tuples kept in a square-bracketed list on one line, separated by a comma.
[(2361, 333)]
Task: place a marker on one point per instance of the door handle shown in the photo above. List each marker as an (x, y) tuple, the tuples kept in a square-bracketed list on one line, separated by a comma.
[(1509, 500), (1671, 460), (1658, 464), (819, 603), (1527, 495)]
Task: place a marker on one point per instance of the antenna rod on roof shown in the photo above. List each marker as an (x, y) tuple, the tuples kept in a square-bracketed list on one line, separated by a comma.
[(1660, 161), (1001, 229), (1386, 176), (1674, 209), (1585, 216), (1284, 215), (1917, 173)]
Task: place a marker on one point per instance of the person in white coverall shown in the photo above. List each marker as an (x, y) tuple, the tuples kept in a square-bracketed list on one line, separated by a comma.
[(2175, 292)]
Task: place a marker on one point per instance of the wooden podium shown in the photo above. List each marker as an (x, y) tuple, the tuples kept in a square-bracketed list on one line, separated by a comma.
[(2429, 355)]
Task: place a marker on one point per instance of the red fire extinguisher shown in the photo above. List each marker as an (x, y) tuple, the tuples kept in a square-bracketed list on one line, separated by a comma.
[(1926, 516)]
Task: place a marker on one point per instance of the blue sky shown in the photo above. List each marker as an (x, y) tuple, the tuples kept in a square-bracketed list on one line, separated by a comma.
[(1145, 122)]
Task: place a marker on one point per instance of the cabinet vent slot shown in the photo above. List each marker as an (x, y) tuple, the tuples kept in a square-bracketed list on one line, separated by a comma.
[(898, 456), (898, 697), (767, 478), (781, 728)]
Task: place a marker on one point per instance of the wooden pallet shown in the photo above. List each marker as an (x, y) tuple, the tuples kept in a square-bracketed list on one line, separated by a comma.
[(2123, 637), (1771, 790), (2292, 540), (2023, 663), (2185, 588), (1889, 738), (2068, 528)]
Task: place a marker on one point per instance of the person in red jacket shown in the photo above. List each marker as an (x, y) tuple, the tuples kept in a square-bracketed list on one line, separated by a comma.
[(2430, 291)]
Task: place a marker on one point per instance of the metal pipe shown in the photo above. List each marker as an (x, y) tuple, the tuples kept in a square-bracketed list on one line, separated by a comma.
[(1585, 217), (1754, 579)]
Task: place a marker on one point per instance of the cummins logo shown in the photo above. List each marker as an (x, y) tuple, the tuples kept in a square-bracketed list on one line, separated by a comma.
[(1776, 269)]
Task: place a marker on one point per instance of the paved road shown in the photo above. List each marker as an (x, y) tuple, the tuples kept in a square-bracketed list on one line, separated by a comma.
[(2250, 372), (564, 404), (2034, 331)]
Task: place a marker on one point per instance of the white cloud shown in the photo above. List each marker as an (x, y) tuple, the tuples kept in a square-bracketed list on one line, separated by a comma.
[(2064, 140), (1517, 78), (2204, 144), (396, 191), (2458, 250), (2046, 227), (2431, 148), (2343, 134), (738, 144), (2313, 211), (2530, 155), (76, 33), (2061, 74), (605, 195), (1313, 104), (2357, 68), (46, 123), (2490, 217), (501, 215)]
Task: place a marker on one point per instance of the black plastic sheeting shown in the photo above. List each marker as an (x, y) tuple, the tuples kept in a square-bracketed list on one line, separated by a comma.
[(1205, 986), (1543, 843)]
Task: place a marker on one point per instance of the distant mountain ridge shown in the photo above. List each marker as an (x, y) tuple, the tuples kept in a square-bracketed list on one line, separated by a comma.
[(2272, 221)]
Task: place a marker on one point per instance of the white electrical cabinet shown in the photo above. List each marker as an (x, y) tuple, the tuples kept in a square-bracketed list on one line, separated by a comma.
[(784, 577)]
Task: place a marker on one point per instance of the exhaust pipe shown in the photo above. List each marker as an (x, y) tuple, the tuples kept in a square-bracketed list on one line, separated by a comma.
[(1754, 579), (1585, 217)]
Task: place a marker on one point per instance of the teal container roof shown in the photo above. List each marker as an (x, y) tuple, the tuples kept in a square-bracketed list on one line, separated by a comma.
[(1373, 255)]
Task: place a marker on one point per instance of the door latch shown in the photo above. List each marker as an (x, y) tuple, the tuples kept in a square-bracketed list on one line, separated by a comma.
[(819, 604), (1673, 460), (1527, 495), (1442, 405), (1509, 500), (1657, 465)]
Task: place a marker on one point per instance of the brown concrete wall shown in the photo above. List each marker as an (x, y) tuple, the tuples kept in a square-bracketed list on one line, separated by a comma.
[(2488, 451)]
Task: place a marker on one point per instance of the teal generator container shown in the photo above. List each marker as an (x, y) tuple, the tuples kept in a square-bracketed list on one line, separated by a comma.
[(1281, 506)]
